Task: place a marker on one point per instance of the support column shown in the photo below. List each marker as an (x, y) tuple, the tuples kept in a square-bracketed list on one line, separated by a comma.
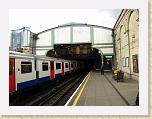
[(129, 44), (91, 35), (71, 34), (52, 38)]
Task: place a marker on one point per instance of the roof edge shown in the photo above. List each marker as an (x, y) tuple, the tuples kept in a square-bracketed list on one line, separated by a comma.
[(79, 24)]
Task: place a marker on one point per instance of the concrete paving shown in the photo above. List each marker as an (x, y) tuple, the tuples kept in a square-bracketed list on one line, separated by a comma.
[(98, 91), (128, 88)]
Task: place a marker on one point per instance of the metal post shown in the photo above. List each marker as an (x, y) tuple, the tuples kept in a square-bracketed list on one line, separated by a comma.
[(52, 38), (92, 35), (71, 34)]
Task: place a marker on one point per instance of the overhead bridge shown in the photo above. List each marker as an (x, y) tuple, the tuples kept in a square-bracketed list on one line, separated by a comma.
[(77, 41)]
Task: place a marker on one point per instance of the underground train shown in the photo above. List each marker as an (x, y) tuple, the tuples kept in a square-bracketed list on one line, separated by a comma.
[(26, 70)]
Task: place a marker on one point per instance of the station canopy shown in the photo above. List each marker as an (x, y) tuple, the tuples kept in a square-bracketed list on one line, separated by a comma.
[(100, 37)]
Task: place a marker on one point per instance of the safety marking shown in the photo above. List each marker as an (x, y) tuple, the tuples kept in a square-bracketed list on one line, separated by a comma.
[(79, 95), (76, 90)]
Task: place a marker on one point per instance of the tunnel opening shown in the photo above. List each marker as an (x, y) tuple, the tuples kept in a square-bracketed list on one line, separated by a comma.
[(108, 62), (91, 57)]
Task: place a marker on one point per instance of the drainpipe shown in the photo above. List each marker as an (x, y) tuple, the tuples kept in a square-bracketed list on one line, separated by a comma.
[(114, 48), (129, 46), (129, 54)]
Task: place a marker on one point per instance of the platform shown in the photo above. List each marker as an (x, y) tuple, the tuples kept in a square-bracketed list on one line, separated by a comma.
[(102, 90)]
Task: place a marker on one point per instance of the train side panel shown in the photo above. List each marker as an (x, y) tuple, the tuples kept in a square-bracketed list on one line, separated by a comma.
[(25, 74), (66, 68), (26, 70), (72, 66), (58, 69), (43, 68)]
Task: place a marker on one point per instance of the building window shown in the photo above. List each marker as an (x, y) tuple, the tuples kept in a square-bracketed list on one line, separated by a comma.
[(58, 65), (66, 65), (26, 67), (123, 62), (135, 63), (127, 61), (45, 66)]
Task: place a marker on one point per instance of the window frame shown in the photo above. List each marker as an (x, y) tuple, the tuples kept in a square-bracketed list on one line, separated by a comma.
[(66, 65), (127, 61), (45, 66), (124, 62), (58, 67), (24, 68)]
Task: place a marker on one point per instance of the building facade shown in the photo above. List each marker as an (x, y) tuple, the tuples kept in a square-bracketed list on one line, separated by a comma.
[(21, 40), (126, 33)]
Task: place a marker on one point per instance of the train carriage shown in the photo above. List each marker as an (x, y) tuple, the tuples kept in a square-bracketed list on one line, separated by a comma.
[(44, 68), (66, 67), (58, 69), (71, 66), (22, 71), (27, 70)]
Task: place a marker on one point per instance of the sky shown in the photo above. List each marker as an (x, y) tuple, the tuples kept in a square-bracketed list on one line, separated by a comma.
[(42, 19)]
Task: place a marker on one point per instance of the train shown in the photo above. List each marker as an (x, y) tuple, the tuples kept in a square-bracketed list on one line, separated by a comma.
[(28, 70)]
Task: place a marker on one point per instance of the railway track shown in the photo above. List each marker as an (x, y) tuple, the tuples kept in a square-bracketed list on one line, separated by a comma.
[(53, 96)]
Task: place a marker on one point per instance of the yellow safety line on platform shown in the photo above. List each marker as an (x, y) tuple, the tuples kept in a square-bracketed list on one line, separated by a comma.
[(79, 95)]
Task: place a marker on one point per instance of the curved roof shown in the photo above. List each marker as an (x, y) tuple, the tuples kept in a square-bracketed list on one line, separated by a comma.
[(101, 39), (75, 24)]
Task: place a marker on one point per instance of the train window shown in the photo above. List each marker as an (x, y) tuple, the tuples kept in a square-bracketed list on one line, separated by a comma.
[(58, 65), (10, 68), (66, 65), (45, 66), (71, 65), (26, 67), (52, 66)]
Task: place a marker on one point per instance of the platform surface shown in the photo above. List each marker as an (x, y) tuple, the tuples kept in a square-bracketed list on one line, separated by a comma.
[(99, 90)]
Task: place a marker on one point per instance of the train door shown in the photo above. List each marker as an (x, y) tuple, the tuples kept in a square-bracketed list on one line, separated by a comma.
[(62, 68), (52, 70), (11, 75)]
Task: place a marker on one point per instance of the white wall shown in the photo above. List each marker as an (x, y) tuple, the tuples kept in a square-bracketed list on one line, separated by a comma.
[(25, 76), (62, 35), (39, 68), (81, 34), (107, 50), (102, 36), (44, 39), (41, 52)]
